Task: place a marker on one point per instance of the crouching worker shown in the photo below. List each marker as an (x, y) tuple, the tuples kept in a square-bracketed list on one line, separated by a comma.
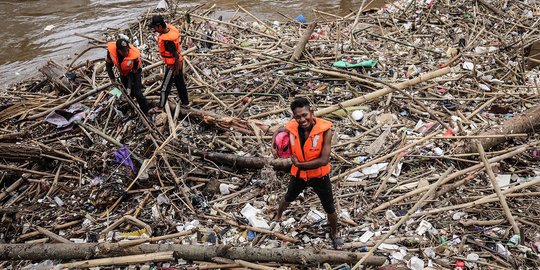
[(127, 60), (310, 144)]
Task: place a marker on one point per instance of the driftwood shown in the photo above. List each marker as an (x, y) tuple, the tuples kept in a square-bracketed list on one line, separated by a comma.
[(12, 151), (228, 122), (244, 162), (525, 123), (186, 252)]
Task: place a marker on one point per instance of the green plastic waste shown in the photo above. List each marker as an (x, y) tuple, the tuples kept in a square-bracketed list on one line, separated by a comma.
[(343, 64), (116, 92)]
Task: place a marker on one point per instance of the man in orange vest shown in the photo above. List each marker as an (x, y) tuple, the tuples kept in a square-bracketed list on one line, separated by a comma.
[(169, 48), (310, 142), (127, 60)]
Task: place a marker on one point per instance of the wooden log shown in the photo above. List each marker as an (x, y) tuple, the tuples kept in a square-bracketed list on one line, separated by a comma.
[(186, 252), (524, 123), (55, 73), (244, 162), (385, 91)]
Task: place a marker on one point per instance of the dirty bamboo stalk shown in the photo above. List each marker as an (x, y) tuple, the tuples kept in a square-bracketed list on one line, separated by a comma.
[(384, 91), (68, 103), (449, 178), (123, 260), (493, 179), (404, 218)]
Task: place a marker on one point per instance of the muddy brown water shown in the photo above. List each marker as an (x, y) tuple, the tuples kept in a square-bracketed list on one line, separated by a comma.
[(34, 31)]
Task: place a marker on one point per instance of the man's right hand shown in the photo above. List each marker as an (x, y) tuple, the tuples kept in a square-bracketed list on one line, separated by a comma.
[(274, 151)]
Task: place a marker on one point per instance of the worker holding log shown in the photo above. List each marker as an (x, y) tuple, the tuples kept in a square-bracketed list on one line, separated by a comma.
[(310, 144), (127, 60), (169, 48)]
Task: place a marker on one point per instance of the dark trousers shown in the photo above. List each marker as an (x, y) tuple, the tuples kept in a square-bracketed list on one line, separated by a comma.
[(167, 84), (133, 81)]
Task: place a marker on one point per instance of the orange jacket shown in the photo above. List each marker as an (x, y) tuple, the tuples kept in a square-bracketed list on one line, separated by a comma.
[(127, 64), (312, 148), (173, 35)]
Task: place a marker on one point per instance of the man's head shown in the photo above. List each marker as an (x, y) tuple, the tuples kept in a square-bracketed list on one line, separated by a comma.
[(158, 24), (122, 47), (302, 112)]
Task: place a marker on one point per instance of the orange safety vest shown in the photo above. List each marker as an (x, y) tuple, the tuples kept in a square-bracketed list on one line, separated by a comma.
[(312, 148), (127, 64), (173, 35)]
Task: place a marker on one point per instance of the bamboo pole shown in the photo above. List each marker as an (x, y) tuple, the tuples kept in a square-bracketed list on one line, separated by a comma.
[(124, 260), (404, 218), (69, 102), (488, 199), (385, 91), (377, 160), (449, 178), (496, 187)]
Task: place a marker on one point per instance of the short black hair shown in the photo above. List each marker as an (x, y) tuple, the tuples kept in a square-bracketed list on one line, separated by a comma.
[(299, 103), (122, 44), (158, 20)]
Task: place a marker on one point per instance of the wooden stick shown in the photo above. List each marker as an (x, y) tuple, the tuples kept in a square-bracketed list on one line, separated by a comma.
[(471, 222), (254, 265), (502, 198), (404, 218), (53, 236), (124, 260)]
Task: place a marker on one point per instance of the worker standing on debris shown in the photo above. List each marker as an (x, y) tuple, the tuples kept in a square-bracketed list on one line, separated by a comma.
[(127, 60), (169, 48), (310, 142)]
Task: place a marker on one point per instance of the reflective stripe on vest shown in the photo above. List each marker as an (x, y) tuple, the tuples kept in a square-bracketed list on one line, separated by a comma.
[(312, 148), (127, 63), (173, 35)]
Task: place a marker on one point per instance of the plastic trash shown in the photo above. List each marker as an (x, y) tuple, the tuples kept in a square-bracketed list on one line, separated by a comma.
[(423, 227), (503, 180), (344, 64), (49, 27), (459, 265), (301, 19), (416, 263), (163, 199), (357, 115), (473, 257), (366, 236), (225, 189), (162, 5), (514, 240), (315, 216), (45, 265), (58, 201), (250, 213)]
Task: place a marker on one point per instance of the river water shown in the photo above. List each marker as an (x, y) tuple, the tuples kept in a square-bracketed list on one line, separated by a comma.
[(34, 31)]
